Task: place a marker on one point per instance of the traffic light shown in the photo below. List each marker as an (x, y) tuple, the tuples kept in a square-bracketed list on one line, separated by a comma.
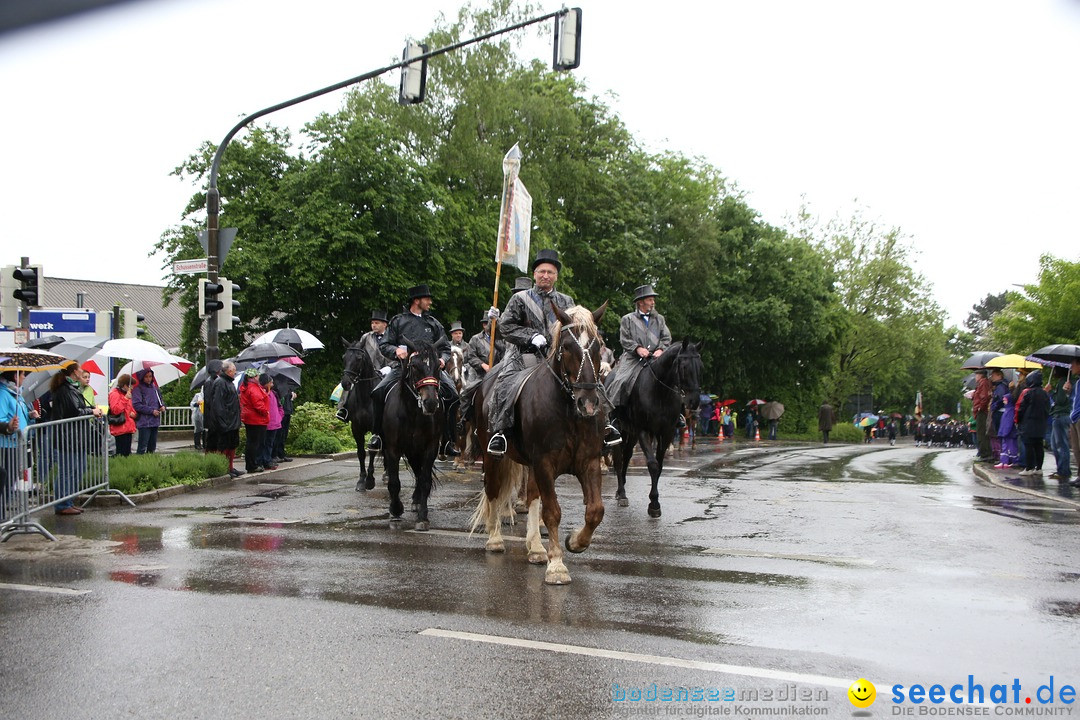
[(9, 304), (567, 40), (208, 298), (31, 290), (130, 323), (413, 76), (226, 318)]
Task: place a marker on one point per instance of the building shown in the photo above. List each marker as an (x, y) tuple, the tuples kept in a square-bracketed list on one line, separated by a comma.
[(164, 323)]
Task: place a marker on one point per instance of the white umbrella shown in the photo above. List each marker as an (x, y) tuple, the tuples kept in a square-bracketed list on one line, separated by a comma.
[(290, 336), (78, 349), (141, 350), (164, 373)]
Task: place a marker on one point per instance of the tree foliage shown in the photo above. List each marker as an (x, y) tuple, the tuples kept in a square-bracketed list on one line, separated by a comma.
[(1045, 313)]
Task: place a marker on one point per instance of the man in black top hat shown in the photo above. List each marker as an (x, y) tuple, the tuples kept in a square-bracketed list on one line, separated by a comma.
[(526, 326), (476, 352), (457, 335), (369, 341), (415, 325), (643, 334)]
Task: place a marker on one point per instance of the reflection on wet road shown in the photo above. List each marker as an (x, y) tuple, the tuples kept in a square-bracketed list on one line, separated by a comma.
[(837, 559)]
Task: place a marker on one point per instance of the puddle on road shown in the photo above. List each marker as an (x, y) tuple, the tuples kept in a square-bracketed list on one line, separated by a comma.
[(1028, 509), (1063, 608)]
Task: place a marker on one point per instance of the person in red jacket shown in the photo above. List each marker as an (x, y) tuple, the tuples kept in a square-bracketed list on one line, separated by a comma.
[(120, 404), (255, 414), (980, 405)]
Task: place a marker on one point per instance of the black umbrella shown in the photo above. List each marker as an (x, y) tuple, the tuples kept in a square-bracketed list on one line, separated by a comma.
[(1063, 353), (266, 351), (200, 378), (978, 360), (44, 343), (284, 373)]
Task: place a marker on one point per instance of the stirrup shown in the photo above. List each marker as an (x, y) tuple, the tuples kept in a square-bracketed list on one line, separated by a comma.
[(497, 445), (342, 414), (449, 449), (374, 443), (612, 436)]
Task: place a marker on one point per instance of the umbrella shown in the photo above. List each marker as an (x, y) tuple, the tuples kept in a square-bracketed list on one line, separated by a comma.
[(978, 360), (78, 349), (31, 360), (284, 373), (290, 336), (336, 395), (266, 351), (164, 373), (867, 421), (1058, 353), (754, 403), (944, 416), (729, 401), (44, 343), (1012, 361), (772, 410), (136, 349), (92, 367)]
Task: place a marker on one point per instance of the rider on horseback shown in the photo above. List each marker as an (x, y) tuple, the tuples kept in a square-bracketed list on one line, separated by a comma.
[(369, 341), (476, 353), (526, 325), (643, 334), (415, 325)]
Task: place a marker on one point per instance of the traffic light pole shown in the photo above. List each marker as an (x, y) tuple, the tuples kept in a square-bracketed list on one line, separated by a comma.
[(213, 197), (25, 315)]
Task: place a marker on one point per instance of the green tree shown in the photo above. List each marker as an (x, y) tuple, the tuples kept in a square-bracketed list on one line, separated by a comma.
[(981, 318), (1045, 313)]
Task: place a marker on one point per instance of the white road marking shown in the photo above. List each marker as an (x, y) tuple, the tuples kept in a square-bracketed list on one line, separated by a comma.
[(764, 673), (834, 559), (43, 589)]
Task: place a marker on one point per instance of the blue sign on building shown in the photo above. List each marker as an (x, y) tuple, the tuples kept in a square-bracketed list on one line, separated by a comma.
[(61, 321)]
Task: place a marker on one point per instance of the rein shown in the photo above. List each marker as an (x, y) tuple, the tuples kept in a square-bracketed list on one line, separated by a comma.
[(571, 386)]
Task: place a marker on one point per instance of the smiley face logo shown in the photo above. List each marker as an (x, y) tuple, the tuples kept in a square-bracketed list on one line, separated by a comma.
[(862, 693)]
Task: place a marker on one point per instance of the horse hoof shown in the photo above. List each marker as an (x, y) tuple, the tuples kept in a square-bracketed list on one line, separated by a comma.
[(538, 558), (571, 548), (560, 577), (654, 512), (396, 510), (422, 526), (415, 507), (360, 485), (370, 483), (623, 502), (521, 508), (495, 546)]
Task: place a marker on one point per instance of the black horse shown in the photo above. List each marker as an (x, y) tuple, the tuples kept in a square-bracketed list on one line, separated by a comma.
[(359, 378), (412, 428), (652, 413)]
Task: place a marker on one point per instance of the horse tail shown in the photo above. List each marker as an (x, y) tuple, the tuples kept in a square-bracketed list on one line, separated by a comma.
[(509, 481)]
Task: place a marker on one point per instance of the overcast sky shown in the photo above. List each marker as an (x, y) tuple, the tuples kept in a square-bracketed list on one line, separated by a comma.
[(955, 120)]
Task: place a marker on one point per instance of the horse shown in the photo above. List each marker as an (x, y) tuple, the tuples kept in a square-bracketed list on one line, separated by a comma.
[(691, 401), (652, 413), (413, 420), (558, 428), (359, 378), (457, 368)]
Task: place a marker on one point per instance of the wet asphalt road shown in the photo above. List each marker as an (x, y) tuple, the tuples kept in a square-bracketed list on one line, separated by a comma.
[(785, 569)]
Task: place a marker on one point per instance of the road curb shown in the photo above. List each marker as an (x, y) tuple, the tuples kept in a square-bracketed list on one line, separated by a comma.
[(994, 479)]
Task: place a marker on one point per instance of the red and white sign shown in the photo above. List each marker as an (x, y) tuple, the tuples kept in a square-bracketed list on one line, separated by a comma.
[(190, 267)]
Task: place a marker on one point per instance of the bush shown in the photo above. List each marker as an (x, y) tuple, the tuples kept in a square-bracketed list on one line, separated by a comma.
[(142, 473), (326, 445), (312, 421)]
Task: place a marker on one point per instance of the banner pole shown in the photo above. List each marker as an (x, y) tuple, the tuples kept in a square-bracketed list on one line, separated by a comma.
[(509, 178)]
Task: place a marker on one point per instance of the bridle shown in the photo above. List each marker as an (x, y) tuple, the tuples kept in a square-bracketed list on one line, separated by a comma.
[(415, 387), (564, 380), (353, 376), (681, 387)]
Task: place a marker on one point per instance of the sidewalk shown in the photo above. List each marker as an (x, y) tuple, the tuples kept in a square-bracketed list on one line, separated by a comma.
[(1039, 487)]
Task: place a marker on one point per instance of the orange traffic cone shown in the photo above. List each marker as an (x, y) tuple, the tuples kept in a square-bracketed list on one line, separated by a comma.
[(757, 434)]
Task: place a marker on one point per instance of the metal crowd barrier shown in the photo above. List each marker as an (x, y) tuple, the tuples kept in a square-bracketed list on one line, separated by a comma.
[(53, 463), (176, 418)]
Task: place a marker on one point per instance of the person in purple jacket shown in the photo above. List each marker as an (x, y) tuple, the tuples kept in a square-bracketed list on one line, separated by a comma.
[(1074, 418), (146, 399)]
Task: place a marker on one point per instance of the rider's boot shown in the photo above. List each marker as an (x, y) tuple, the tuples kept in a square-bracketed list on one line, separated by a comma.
[(377, 402)]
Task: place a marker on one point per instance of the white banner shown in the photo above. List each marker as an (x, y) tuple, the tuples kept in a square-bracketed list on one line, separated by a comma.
[(515, 243)]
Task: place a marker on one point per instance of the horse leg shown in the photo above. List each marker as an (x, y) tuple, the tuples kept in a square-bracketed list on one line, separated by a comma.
[(422, 493), (556, 573), (594, 508), (390, 462), (533, 544), (490, 510), (360, 482), (521, 502), (623, 454), (369, 477), (656, 466)]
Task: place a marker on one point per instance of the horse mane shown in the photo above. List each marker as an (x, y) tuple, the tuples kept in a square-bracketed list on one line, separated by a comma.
[(580, 316)]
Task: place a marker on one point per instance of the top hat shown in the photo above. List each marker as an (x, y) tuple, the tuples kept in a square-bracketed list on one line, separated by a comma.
[(379, 315), (484, 319), (522, 283), (643, 291), (456, 325), (420, 291), (547, 256)]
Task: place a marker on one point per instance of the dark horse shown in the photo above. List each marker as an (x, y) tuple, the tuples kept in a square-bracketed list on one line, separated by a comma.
[(652, 413), (558, 428), (412, 428), (359, 378)]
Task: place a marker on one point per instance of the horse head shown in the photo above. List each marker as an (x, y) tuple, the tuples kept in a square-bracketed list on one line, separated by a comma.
[(358, 365), (456, 367), (575, 357), (421, 372), (690, 369)]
